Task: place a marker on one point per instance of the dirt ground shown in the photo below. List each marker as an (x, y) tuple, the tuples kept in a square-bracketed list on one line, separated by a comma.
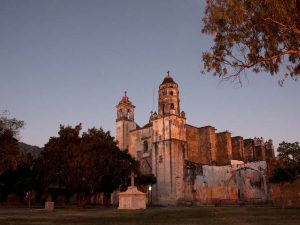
[(154, 215)]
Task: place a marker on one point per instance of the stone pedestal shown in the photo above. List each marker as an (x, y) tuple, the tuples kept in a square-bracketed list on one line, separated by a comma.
[(132, 199), (49, 206)]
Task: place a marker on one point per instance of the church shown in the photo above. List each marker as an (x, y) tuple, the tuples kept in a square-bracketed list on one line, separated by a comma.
[(192, 164)]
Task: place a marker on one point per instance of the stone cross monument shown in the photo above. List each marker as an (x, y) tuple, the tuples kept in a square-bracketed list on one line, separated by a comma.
[(132, 198)]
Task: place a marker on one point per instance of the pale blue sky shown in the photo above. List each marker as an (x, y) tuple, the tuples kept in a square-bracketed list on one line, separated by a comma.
[(66, 62)]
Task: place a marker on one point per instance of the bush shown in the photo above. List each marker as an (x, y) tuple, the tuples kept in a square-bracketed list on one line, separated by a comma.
[(283, 174)]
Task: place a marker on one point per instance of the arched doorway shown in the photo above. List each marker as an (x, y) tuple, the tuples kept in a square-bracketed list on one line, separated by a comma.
[(250, 184)]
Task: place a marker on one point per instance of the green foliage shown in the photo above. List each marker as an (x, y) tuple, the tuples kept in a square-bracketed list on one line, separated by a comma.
[(252, 34), (10, 124), (9, 128), (19, 180), (283, 174), (87, 163), (289, 153)]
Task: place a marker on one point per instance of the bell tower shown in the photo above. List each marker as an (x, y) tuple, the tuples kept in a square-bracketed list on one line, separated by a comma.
[(168, 100), (169, 144), (124, 122)]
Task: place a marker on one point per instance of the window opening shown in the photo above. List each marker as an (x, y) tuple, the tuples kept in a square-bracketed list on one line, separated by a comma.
[(145, 146)]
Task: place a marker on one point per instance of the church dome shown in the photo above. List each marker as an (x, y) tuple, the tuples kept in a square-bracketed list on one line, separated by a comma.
[(168, 79), (125, 99)]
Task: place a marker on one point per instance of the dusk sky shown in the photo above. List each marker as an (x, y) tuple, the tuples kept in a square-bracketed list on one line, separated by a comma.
[(66, 62)]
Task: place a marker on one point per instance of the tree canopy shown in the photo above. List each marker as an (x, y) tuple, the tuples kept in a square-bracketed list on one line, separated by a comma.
[(289, 153), (84, 163), (12, 125), (9, 149), (263, 36), (289, 158), (283, 174)]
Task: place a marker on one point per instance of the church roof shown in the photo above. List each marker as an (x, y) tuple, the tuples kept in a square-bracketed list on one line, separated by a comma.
[(125, 100), (168, 80)]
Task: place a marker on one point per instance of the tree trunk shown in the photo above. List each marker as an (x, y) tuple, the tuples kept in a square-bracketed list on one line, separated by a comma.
[(107, 199)]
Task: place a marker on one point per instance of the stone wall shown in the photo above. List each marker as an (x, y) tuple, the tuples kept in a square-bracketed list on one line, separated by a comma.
[(123, 127), (237, 148), (207, 139), (231, 183), (201, 144), (193, 144), (269, 147), (167, 161), (137, 139), (224, 148), (248, 150), (260, 153)]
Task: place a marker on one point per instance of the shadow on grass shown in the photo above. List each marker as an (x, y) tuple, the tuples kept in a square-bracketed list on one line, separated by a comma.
[(155, 215)]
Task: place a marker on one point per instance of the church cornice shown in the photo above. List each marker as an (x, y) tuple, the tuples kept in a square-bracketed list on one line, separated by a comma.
[(124, 119), (168, 140), (167, 115)]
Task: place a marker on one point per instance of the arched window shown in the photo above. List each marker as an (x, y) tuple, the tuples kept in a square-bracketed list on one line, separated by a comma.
[(172, 105), (128, 114), (171, 92), (145, 146), (120, 114)]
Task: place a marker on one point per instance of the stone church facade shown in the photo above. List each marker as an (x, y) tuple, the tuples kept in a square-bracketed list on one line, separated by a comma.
[(193, 164)]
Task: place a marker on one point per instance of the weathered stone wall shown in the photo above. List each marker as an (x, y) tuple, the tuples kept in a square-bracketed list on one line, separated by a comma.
[(168, 154), (260, 153), (207, 143), (168, 159), (192, 143), (123, 127), (224, 148), (169, 127), (201, 144), (137, 138), (248, 150), (269, 147), (286, 194), (231, 183), (237, 148), (145, 165)]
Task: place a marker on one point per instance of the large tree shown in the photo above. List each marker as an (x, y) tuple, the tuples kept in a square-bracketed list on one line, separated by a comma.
[(261, 35), (84, 163), (289, 153), (9, 149)]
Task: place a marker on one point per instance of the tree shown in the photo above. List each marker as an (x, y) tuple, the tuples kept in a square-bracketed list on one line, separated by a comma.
[(9, 150), (84, 164), (289, 153), (261, 35), (282, 174), (20, 179)]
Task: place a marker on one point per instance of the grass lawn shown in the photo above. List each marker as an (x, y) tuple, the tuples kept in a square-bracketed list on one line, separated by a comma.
[(156, 215)]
